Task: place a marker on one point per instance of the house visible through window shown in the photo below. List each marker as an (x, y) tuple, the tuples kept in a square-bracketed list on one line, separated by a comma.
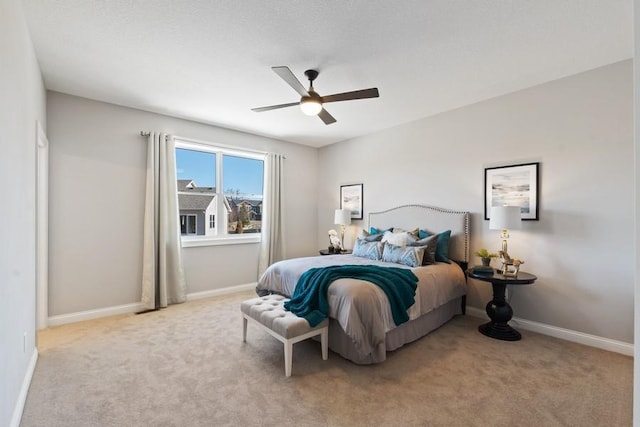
[(218, 182)]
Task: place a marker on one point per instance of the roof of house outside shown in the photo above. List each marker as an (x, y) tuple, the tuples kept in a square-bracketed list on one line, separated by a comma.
[(190, 186), (183, 183), (238, 202), (194, 202), (202, 196)]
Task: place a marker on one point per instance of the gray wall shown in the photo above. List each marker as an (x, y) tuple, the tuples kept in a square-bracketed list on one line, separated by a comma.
[(98, 168), (580, 129), (22, 102)]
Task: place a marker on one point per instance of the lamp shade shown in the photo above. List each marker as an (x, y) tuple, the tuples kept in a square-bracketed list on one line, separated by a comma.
[(342, 217), (505, 218)]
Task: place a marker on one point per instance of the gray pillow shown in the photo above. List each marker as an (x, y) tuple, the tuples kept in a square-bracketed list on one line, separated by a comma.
[(430, 244), (365, 235), (369, 250), (406, 255)]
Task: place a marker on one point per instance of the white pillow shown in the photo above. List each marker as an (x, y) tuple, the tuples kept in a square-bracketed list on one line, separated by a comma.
[(398, 239)]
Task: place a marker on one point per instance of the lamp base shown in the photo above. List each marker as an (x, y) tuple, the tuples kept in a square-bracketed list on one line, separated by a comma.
[(504, 236)]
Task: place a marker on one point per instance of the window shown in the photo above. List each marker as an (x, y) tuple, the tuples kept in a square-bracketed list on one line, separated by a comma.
[(219, 182), (188, 224)]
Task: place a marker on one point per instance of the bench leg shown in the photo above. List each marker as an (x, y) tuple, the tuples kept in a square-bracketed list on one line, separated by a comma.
[(324, 341), (288, 355), (244, 329)]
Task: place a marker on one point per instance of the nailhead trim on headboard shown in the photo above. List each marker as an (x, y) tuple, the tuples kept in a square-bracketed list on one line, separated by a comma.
[(459, 223)]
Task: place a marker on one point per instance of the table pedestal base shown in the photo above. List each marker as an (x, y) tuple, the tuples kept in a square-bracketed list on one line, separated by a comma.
[(498, 309), (500, 312), (499, 331)]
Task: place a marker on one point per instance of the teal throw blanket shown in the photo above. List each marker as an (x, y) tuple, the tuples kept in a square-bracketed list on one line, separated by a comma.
[(309, 299)]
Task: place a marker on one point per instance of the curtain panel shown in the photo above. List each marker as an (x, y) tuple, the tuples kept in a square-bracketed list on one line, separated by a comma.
[(163, 279), (272, 246)]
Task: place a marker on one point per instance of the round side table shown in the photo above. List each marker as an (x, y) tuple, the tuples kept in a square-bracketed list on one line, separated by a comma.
[(498, 309)]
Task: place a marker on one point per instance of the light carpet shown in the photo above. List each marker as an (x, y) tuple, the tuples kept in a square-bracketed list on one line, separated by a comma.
[(187, 366)]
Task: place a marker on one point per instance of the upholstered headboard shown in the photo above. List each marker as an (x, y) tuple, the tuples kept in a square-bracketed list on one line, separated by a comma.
[(431, 219)]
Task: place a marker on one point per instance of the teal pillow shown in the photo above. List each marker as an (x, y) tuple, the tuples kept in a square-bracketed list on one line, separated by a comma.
[(373, 230), (442, 250), (423, 233)]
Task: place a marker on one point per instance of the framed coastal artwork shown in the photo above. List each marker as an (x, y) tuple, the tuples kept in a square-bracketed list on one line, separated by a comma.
[(515, 185), (351, 199)]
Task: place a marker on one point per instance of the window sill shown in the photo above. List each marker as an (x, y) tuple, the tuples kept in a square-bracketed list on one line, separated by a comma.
[(192, 242)]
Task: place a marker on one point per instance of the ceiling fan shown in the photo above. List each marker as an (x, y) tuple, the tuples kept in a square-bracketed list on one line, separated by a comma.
[(311, 103)]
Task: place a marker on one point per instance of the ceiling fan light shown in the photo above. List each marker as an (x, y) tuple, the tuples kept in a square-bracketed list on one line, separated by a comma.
[(310, 106)]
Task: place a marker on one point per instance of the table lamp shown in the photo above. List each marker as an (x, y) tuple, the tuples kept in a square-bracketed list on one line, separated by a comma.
[(342, 217), (505, 218)]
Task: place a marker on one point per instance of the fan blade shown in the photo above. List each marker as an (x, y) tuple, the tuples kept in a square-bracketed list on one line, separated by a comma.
[(286, 75), (356, 94), (274, 107), (326, 117)]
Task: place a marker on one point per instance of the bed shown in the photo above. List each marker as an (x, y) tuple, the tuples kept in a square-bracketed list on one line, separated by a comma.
[(361, 327)]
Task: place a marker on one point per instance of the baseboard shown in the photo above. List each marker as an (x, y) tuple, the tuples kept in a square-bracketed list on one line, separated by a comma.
[(565, 334), (223, 291), (136, 307), (94, 314), (26, 383)]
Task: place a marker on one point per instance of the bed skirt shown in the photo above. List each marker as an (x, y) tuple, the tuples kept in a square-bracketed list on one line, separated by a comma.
[(408, 332)]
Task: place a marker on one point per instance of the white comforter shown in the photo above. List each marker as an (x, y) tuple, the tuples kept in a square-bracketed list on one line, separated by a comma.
[(361, 308)]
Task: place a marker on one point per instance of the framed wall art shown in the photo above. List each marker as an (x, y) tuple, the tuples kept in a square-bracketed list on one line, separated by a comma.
[(515, 185), (351, 199)]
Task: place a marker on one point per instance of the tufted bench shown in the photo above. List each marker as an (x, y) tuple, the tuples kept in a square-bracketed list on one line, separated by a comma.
[(269, 313)]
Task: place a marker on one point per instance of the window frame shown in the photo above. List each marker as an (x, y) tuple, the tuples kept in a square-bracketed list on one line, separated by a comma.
[(221, 223)]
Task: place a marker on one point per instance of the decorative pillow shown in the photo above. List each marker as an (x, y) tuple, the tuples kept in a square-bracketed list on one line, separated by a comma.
[(365, 235), (442, 251), (415, 232), (423, 233), (407, 255), (399, 239), (430, 244), (369, 250), (373, 230)]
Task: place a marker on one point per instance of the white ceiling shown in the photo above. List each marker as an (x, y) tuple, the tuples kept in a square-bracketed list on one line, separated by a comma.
[(210, 60)]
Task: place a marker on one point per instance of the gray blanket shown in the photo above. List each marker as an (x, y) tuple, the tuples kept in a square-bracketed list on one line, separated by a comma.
[(361, 309)]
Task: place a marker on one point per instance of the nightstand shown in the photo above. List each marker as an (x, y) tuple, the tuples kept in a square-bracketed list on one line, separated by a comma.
[(326, 252), (498, 309)]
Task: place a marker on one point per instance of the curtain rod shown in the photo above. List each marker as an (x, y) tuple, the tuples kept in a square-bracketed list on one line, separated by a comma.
[(147, 133)]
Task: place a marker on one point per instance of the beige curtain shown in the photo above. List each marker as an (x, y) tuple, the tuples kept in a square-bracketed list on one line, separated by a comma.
[(272, 246), (162, 273)]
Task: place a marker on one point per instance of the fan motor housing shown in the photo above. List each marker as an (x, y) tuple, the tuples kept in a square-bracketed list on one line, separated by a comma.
[(311, 74)]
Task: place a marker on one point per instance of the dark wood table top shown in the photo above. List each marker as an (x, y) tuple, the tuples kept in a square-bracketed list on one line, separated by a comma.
[(522, 278), (326, 252)]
